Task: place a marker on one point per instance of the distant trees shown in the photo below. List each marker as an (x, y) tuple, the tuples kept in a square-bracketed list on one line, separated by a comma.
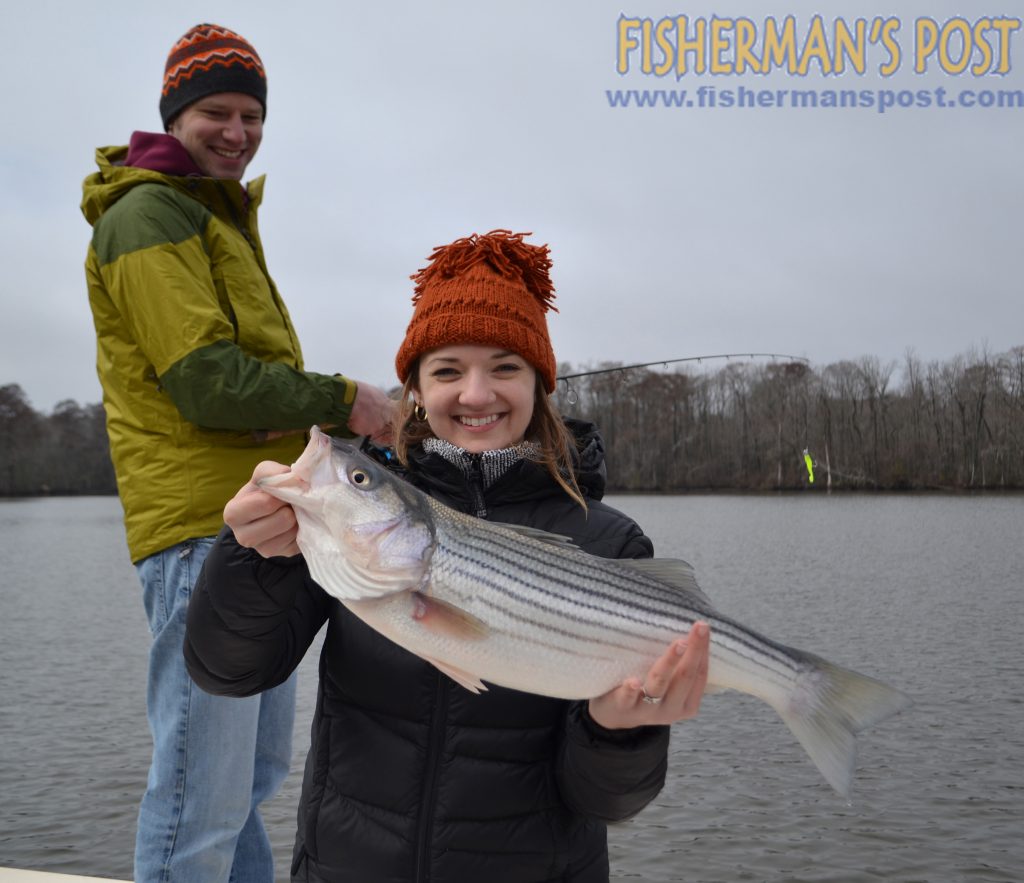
[(957, 425), (745, 426), (64, 453)]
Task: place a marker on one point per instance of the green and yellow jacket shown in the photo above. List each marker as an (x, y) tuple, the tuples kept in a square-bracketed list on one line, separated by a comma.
[(196, 353)]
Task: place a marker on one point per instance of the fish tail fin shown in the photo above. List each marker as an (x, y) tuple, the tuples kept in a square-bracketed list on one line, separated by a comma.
[(828, 706)]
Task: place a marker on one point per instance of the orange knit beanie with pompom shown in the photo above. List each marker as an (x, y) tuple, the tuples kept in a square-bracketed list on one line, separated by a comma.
[(491, 290)]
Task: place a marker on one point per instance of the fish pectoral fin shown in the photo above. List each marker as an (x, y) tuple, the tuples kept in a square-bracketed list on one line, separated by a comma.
[(673, 571), (470, 681), (447, 619)]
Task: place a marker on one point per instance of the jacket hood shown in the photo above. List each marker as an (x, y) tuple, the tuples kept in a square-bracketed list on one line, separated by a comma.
[(160, 152), (115, 177), (102, 189)]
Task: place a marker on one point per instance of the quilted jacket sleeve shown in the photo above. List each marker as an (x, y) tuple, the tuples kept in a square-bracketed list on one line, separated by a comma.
[(250, 619), (610, 774)]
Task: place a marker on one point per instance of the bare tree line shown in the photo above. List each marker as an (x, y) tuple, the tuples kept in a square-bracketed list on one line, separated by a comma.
[(65, 452), (744, 426)]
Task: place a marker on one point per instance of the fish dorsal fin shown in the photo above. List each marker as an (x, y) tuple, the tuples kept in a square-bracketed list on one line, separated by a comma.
[(555, 539), (673, 571)]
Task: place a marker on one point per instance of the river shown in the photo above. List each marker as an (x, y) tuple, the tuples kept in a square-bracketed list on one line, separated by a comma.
[(923, 591)]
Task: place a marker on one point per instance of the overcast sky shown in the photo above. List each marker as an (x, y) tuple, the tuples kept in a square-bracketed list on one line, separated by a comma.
[(393, 127)]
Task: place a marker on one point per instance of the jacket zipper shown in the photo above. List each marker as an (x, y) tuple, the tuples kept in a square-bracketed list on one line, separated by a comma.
[(241, 225), (238, 222), (439, 720), (475, 481), (425, 829)]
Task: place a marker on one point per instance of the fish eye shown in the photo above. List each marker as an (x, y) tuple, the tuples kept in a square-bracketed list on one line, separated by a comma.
[(360, 477)]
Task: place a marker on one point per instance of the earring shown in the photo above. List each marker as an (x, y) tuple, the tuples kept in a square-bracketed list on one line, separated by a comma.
[(419, 412)]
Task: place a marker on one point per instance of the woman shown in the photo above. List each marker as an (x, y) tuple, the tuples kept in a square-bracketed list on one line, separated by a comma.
[(410, 776)]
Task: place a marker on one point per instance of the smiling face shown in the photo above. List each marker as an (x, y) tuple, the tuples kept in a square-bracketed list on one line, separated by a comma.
[(221, 132), (479, 398)]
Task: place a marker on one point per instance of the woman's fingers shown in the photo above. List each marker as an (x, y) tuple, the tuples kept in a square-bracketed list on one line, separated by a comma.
[(274, 531), (656, 684), (260, 521), (690, 674), (670, 691)]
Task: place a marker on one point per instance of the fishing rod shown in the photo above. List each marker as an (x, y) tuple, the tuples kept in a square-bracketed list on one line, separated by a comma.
[(809, 462), (570, 392), (664, 362)]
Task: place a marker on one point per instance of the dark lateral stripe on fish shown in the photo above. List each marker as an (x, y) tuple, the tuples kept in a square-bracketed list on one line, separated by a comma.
[(565, 633), (474, 568), (519, 563), (727, 638), (557, 558), (642, 588), (547, 627), (759, 648), (616, 581), (666, 617)]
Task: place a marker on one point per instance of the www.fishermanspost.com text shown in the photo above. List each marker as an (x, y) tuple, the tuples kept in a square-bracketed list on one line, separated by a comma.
[(879, 100)]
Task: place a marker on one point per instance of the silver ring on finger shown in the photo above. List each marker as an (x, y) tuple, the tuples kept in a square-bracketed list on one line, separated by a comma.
[(650, 700)]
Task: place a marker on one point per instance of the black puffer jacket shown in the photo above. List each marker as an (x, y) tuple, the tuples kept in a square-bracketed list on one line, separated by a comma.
[(410, 777)]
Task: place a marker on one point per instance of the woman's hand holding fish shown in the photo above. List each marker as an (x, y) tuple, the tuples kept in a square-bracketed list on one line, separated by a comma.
[(260, 521), (671, 691)]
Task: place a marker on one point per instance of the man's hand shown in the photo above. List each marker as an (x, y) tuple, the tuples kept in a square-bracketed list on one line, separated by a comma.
[(372, 413)]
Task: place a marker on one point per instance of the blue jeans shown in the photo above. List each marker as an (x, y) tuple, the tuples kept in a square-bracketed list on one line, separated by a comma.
[(215, 758)]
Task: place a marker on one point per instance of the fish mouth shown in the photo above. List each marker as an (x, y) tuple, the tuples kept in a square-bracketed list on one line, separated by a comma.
[(290, 481), (289, 487), (293, 485)]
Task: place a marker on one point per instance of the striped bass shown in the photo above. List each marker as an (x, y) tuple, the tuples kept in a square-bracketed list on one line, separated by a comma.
[(529, 610)]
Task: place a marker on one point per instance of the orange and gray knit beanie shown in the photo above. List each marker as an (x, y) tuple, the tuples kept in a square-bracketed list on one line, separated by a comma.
[(206, 60), (492, 290)]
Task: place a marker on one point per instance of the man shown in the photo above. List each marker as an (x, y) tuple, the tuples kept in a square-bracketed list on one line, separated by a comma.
[(202, 378)]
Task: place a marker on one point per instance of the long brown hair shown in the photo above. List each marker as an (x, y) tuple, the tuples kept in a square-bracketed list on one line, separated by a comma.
[(556, 445)]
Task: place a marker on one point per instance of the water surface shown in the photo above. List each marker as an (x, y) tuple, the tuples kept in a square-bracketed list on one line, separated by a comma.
[(922, 591)]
